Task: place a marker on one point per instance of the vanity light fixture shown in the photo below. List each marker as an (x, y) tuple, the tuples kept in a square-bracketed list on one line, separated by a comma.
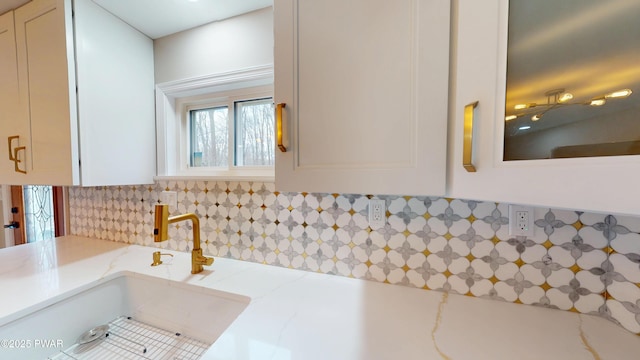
[(527, 127), (559, 98)]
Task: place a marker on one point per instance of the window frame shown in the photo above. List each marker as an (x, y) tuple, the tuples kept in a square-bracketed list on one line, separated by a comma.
[(173, 152)]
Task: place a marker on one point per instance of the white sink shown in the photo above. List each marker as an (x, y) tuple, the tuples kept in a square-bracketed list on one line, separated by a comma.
[(193, 311)]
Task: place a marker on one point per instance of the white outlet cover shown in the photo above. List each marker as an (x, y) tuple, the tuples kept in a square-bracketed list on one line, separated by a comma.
[(513, 228), (377, 214), (170, 198)]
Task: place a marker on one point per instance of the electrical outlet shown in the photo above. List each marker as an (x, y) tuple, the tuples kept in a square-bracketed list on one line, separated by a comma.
[(170, 198), (377, 214), (520, 220)]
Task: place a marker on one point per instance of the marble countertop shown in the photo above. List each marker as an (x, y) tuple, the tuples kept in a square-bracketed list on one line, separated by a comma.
[(303, 315)]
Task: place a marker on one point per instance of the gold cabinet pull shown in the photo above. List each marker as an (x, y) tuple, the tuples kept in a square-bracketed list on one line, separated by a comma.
[(467, 141), (11, 155), (15, 159), (279, 126)]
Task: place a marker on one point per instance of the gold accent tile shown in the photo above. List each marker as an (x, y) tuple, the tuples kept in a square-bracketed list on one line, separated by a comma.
[(448, 236), (494, 280), (407, 198), (386, 248), (335, 196), (470, 257), (304, 255), (304, 194), (277, 251), (252, 248), (548, 244), (575, 268), (495, 240), (186, 190), (545, 286), (276, 193), (319, 209), (471, 218), (406, 268), (319, 241), (518, 301), (351, 212), (196, 203), (335, 227), (368, 263), (426, 252), (578, 225), (427, 215), (406, 233), (351, 245), (573, 309), (290, 208), (519, 262), (447, 273)]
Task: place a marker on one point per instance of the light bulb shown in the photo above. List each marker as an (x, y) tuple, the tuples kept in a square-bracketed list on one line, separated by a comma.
[(510, 117), (598, 102), (536, 117), (526, 127), (565, 97), (619, 94)]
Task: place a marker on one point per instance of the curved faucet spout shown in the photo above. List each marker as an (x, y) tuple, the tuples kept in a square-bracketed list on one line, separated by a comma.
[(160, 233)]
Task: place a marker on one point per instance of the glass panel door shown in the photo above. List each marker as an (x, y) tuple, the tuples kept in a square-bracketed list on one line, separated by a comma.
[(573, 81)]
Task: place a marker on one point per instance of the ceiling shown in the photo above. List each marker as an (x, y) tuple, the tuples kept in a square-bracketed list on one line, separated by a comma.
[(158, 18)]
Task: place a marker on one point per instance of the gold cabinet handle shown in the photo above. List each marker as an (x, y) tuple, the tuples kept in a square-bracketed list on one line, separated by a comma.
[(10, 140), (15, 159), (13, 153), (467, 141), (279, 126)]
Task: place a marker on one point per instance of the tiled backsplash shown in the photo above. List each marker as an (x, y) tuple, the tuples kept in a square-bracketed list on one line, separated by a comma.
[(583, 262)]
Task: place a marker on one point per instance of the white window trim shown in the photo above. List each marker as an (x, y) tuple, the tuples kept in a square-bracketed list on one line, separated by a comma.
[(169, 119)]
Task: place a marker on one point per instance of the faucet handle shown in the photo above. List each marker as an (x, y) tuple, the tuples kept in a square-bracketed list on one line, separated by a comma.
[(156, 258)]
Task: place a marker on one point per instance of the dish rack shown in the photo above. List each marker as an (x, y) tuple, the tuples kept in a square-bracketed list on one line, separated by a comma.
[(130, 339)]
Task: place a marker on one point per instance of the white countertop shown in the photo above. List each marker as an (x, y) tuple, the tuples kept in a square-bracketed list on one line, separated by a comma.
[(303, 315)]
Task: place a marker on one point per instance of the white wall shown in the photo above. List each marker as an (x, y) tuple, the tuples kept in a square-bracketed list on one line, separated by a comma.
[(236, 43)]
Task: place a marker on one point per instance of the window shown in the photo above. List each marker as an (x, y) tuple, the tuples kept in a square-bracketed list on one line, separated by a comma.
[(220, 126), (247, 123)]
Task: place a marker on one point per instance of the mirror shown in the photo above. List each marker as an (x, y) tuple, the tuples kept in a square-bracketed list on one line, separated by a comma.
[(573, 79)]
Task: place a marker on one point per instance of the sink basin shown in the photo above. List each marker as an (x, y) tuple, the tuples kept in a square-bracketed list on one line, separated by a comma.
[(199, 313)]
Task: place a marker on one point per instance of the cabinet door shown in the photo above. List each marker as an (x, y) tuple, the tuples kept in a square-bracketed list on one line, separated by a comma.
[(365, 83), (11, 120), (115, 99), (604, 184), (45, 73)]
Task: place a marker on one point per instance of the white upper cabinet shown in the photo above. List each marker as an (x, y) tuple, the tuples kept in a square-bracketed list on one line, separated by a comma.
[(10, 128), (365, 88), (563, 151), (86, 96)]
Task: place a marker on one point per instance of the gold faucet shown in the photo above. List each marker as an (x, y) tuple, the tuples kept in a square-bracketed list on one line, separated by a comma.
[(161, 233)]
